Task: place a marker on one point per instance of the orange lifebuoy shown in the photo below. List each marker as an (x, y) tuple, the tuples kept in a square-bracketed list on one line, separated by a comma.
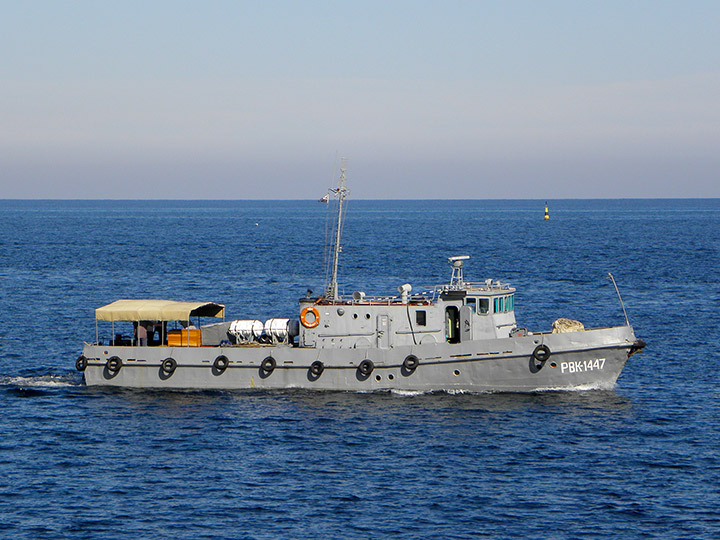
[(314, 321)]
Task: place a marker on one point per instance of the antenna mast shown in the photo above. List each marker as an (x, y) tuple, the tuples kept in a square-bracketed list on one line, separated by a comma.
[(610, 276), (340, 194)]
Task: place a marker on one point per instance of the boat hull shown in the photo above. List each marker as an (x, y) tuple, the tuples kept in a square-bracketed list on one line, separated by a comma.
[(588, 359)]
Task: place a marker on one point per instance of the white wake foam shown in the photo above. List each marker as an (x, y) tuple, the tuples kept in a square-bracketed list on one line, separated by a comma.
[(579, 388), (44, 381), (407, 393)]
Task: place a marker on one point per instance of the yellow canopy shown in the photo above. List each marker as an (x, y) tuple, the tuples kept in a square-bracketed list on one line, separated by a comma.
[(157, 310)]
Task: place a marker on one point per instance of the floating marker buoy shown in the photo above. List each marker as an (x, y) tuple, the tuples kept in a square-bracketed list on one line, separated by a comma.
[(547, 213)]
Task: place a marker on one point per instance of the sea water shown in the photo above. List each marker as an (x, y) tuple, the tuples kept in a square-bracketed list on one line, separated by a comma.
[(640, 461)]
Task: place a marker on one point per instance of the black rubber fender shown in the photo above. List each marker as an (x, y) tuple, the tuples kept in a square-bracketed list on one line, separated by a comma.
[(411, 362), (169, 365), (317, 368), (366, 367), (113, 364), (268, 365), (541, 353), (81, 363), (221, 363)]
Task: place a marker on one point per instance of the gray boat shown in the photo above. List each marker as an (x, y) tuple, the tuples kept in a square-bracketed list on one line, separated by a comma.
[(459, 336)]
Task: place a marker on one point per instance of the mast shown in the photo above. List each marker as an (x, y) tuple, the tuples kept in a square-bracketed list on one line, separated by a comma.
[(340, 194)]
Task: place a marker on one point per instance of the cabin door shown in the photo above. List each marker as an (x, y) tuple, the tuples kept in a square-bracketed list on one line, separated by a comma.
[(466, 323), (383, 331), (452, 324)]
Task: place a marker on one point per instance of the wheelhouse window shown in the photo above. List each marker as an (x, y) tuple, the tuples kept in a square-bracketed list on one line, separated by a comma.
[(480, 306), (503, 304), (421, 317)]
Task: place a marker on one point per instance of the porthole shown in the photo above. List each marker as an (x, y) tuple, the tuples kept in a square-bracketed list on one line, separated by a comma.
[(391, 376), (378, 377), (354, 315), (456, 372), (553, 365), (367, 316)]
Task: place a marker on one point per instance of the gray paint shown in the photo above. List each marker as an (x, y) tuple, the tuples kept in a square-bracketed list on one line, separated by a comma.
[(498, 365)]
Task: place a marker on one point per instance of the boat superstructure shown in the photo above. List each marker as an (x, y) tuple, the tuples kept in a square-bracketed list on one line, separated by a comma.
[(456, 336)]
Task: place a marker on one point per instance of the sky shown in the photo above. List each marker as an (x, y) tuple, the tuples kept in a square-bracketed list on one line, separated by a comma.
[(456, 99)]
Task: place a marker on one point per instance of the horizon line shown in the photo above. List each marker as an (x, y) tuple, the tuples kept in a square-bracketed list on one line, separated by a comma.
[(99, 199)]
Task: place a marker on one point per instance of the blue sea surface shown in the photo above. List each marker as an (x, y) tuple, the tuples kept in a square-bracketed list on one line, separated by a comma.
[(641, 461)]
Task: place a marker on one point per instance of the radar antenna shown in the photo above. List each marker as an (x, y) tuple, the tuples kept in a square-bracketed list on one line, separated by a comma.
[(456, 280)]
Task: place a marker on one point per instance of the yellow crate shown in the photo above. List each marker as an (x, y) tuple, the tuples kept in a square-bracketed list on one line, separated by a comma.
[(180, 338)]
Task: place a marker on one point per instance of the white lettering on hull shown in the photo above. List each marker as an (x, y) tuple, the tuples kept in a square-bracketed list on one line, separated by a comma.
[(580, 366)]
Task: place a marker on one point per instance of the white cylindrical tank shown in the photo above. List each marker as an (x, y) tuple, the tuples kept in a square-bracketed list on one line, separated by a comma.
[(277, 329), (246, 330)]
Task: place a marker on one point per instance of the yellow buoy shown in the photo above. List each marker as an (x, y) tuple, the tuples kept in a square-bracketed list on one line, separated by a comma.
[(547, 213)]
